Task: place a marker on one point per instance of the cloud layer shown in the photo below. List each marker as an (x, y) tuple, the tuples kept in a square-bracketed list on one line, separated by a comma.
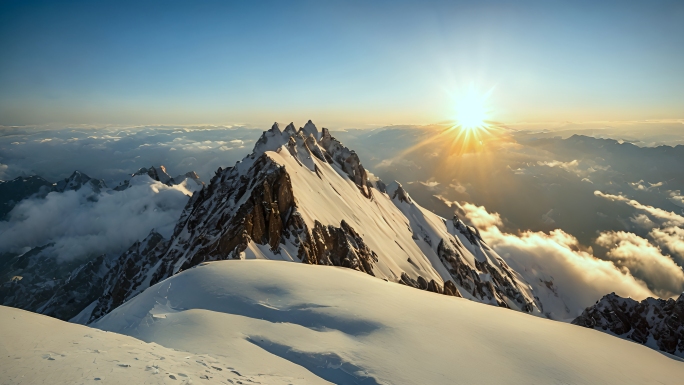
[(112, 153), (82, 224), (557, 261), (644, 260)]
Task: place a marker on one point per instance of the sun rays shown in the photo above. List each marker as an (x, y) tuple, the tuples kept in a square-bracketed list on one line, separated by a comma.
[(471, 132)]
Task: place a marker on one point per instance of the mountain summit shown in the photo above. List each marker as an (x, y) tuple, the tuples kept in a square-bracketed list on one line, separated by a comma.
[(302, 196)]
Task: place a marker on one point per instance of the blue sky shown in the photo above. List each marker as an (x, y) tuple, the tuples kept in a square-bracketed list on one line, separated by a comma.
[(342, 64)]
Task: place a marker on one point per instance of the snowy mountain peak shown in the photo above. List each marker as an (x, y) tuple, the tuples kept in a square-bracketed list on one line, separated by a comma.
[(77, 180), (270, 140), (290, 130), (156, 173), (189, 175), (310, 129), (159, 174)]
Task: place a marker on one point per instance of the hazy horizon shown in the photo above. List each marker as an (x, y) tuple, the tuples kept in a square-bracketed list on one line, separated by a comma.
[(346, 64)]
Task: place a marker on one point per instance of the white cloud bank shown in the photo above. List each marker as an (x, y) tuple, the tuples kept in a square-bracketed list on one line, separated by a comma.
[(665, 228), (83, 224), (579, 278), (670, 238), (643, 260)]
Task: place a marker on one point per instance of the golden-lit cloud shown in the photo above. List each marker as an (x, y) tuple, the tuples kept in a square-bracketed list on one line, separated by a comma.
[(643, 259), (577, 276)]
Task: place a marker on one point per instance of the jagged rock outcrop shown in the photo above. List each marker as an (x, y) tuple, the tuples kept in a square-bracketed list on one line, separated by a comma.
[(156, 173), (39, 281), (471, 233), (654, 322), (348, 159), (472, 269), (423, 284), (501, 286), (337, 246)]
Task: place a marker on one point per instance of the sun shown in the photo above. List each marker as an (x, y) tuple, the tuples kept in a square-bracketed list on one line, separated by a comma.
[(472, 112)]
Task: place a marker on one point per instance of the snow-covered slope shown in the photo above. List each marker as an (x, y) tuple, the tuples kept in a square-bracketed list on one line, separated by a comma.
[(302, 196), (36, 349), (347, 327)]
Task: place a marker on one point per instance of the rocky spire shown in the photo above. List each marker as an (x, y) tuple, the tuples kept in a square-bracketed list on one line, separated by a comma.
[(310, 129)]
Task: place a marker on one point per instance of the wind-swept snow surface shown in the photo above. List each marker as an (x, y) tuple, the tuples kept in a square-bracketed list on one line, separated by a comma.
[(347, 327), (36, 349)]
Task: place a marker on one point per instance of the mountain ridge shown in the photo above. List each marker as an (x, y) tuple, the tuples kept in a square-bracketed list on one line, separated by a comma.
[(303, 199)]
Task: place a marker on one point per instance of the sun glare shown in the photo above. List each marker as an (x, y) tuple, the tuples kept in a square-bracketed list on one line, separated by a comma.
[(471, 110)]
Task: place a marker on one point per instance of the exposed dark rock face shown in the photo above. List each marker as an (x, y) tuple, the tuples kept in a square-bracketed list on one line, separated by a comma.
[(655, 322), (483, 275), (156, 173), (347, 159), (28, 280), (123, 274), (240, 205), (500, 287), (38, 282), (451, 289), (82, 287), (337, 246), (423, 284), (257, 206), (254, 202), (471, 233)]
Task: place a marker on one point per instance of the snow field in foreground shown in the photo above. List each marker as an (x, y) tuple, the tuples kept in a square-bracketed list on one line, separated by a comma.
[(320, 323), (36, 349)]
